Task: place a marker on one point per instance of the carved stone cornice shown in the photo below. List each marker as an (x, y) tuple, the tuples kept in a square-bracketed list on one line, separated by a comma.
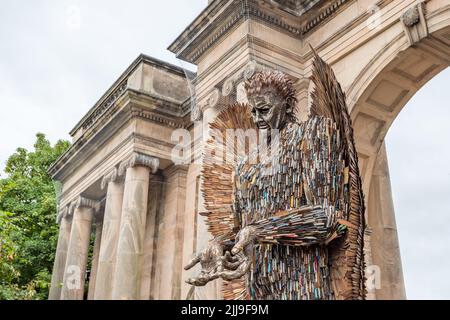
[(141, 106), (120, 86), (323, 15), (139, 159), (295, 7), (111, 176), (102, 108), (156, 117), (195, 41)]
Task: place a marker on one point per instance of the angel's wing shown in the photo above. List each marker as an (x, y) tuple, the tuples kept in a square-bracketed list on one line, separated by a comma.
[(347, 256), (220, 159)]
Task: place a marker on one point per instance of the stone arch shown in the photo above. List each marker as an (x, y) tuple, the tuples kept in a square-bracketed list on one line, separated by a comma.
[(375, 98)]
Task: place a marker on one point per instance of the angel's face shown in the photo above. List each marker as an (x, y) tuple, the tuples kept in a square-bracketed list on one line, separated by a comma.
[(269, 111)]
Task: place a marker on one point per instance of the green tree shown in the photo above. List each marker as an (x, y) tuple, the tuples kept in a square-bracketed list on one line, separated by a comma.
[(28, 232)]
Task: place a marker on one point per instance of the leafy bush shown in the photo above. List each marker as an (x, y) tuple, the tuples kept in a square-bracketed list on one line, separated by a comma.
[(28, 231)]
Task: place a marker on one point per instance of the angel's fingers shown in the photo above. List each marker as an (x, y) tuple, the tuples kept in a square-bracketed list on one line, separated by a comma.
[(239, 273), (244, 238), (230, 258), (232, 262), (198, 282), (192, 263), (232, 265), (238, 247)]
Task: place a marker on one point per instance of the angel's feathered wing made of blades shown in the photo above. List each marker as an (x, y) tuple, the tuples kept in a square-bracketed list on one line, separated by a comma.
[(346, 255), (219, 163)]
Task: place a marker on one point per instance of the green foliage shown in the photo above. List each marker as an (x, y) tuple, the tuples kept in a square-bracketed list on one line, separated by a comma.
[(28, 232)]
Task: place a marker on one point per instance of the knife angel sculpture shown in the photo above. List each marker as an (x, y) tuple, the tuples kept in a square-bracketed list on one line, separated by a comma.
[(289, 225)]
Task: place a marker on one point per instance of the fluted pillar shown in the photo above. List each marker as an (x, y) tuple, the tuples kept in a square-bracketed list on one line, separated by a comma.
[(110, 235), (77, 253), (95, 255), (127, 277), (65, 221), (170, 235)]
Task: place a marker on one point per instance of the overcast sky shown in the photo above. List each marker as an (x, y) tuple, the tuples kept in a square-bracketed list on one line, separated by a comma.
[(58, 57)]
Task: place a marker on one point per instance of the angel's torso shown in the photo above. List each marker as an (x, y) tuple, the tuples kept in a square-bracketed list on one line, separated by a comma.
[(298, 174)]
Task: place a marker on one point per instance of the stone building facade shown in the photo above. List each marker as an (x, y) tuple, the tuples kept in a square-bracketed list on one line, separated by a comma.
[(135, 204)]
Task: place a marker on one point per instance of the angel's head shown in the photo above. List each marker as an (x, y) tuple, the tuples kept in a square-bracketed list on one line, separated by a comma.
[(271, 95)]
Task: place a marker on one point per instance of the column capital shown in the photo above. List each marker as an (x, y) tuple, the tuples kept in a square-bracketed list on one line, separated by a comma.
[(111, 176), (62, 213), (83, 202), (139, 159)]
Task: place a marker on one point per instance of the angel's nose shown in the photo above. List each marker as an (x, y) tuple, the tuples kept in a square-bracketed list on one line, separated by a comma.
[(258, 116)]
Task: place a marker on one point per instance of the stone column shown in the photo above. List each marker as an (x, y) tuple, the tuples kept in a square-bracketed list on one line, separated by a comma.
[(77, 253), (110, 235), (190, 225), (149, 261), (95, 256), (65, 222), (384, 239), (170, 237), (210, 290), (127, 277)]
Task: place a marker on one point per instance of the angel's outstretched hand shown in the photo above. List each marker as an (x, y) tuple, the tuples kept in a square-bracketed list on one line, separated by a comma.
[(210, 260), (237, 263)]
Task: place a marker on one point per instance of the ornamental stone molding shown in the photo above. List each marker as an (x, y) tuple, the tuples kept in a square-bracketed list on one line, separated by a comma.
[(63, 213), (196, 112), (411, 17), (105, 106), (193, 44), (241, 93), (83, 202), (213, 98), (139, 159), (111, 176), (251, 68), (414, 23), (295, 7), (228, 87)]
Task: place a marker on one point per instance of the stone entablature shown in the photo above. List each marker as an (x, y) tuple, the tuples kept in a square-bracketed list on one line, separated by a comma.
[(296, 7), (225, 15), (138, 76), (150, 89)]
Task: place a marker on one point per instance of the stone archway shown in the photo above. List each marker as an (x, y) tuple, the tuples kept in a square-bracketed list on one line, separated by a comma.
[(381, 57), (376, 97)]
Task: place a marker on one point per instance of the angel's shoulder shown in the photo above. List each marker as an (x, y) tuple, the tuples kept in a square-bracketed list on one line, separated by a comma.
[(319, 121), (320, 129)]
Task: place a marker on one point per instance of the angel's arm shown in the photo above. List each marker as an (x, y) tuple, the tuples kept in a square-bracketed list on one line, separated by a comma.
[(300, 227), (323, 179)]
